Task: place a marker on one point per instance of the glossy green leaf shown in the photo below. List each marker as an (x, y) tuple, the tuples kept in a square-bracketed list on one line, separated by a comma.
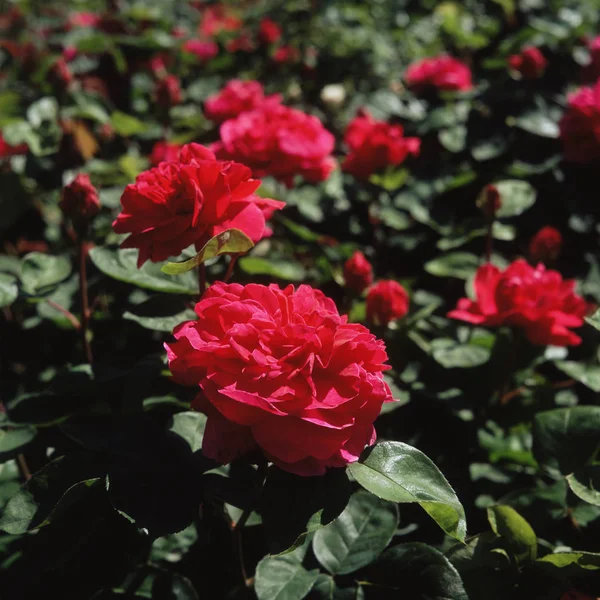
[(122, 265), (8, 289), (538, 124), (326, 588), (40, 273), (585, 483), (400, 473), (292, 506), (189, 426), (284, 577), (585, 560), (516, 197), (419, 568), (126, 125), (450, 354), (166, 324), (566, 438), (230, 241), (13, 441), (509, 524), (280, 269), (594, 320), (461, 265), (588, 374), (358, 535)]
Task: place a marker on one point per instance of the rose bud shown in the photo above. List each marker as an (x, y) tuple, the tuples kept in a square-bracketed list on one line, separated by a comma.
[(545, 245), (386, 301), (489, 201), (168, 92), (80, 200), (358, 272), (61, 74), (529, 63)]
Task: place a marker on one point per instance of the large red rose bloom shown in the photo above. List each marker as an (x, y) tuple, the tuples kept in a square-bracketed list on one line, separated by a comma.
[(177, 204), (283, 372), (278, 141), (535, 299)]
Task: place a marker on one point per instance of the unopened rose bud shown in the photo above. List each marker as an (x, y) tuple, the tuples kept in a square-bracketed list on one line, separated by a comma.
[(545, 245), (358, 272), (61, 74), (489, 201), (168, 92), (386, 301), (80, 201)]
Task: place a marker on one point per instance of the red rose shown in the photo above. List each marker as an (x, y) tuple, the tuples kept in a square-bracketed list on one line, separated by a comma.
[(203, 50), (386, 301), (241, 43), (441, 72), (164, 151), (358, 272), (281, 371), (580, 125), (279, 141), (6, 150), (84, 19), (168, 92), (237, 97), (535, 299), (80, 200), (269, 32), (177, 204), (286, 54), (216, 19), (545, 245), (530, 63), (375, 145)]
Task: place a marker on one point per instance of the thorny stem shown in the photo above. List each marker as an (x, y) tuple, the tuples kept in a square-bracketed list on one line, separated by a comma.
[(201, 279), (85, 309)]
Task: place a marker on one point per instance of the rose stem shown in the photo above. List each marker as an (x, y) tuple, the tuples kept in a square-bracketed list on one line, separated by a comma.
[(85, 309), (230, 266), (263, 465), (67, 313), (201, 279), (491, 201)]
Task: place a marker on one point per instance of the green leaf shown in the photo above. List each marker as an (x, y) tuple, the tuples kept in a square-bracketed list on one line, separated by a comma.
[(461, 265), (594, 320), (509, 524), (284, 577), (230, 241), (400, 473), (585, 483), (292, 506), (12, 442), (326, 588), (587, 374), (357, 537), (419, 568), (516, 197), (41, 273), (166, 324), (586, 560), (8, 289), (566, 438), (126, 125), (450, 354), (280, 269), (189, 426), (453, 139), (122, 265), (539, 124)]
